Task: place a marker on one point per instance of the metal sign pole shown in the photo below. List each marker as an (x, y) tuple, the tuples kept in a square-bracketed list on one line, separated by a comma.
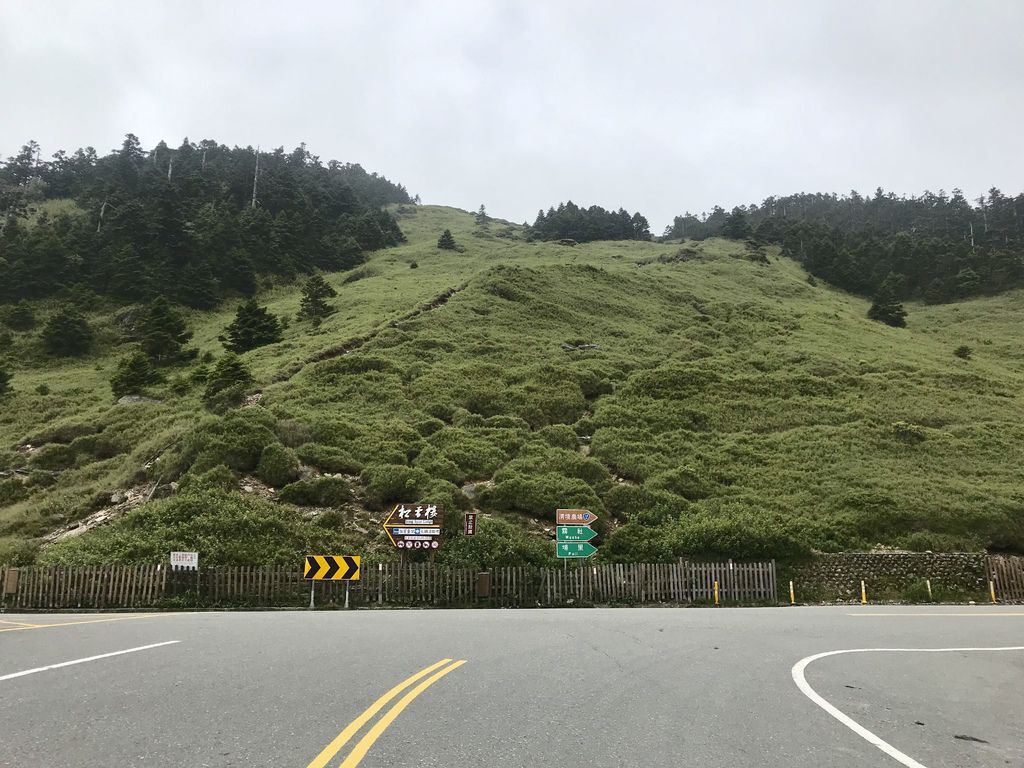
[(312, 586), (346, 594)]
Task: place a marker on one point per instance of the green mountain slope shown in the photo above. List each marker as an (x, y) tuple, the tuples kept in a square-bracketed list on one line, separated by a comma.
[(704, 399)]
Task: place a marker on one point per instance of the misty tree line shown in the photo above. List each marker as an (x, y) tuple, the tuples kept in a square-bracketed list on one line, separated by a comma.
[(194, 223), (570, 221), (937, 247)]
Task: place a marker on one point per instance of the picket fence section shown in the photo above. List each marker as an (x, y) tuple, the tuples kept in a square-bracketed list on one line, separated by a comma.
[(396, 584), (1007, 575)]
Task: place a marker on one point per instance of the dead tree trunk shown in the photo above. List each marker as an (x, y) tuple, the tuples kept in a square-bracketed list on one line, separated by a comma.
[(255, 177)]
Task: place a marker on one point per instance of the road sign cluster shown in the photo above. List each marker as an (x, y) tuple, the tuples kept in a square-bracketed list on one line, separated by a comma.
[(415, 526), (573, 533)]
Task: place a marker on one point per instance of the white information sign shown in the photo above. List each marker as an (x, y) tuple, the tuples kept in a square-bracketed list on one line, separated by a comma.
[(184, 561)]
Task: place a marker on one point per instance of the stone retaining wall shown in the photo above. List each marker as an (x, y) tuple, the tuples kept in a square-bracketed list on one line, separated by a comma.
[(887, 575)]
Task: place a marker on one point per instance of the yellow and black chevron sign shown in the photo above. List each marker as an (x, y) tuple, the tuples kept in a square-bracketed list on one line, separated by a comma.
[(331, 568)]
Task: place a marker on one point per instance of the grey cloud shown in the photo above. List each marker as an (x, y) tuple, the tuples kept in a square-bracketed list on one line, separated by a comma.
[(656, 106)]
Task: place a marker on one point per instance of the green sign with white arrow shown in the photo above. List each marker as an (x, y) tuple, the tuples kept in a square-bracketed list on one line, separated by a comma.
[(578, 549), (575, 533)]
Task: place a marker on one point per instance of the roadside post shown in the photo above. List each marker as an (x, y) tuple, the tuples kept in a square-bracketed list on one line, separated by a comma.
[(992, 591), (330, 568), (863, 593), (928, 583), (792, 595), (716, 592)]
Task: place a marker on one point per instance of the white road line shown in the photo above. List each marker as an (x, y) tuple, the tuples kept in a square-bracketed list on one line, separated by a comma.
[(89, 658), (849, 722)]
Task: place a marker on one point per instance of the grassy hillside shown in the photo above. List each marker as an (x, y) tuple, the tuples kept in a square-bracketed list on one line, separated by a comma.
[(729, 407)]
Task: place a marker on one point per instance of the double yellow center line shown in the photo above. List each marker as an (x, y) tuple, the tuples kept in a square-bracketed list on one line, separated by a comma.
[(439, 669)]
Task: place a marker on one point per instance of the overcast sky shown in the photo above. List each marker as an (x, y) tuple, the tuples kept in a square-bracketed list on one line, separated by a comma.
[(655, 106)]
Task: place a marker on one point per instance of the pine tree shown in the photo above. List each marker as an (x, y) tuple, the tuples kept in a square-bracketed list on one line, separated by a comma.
[(314, 306), (67, 334), (446, 242), (134, 373), (227, 381), (735, 225), (253, 327), (163, 331), (886, 308), (481, 216), (20, 317)]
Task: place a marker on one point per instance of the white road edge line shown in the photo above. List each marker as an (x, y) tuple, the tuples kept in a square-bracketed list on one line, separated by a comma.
[(88, 658), (849, 722)]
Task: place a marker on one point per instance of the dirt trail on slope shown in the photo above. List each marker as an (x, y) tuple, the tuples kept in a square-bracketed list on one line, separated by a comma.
[(355, 342)]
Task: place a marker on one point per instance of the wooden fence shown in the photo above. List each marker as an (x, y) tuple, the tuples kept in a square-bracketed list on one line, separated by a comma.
[(152, 586), (1007, 575)]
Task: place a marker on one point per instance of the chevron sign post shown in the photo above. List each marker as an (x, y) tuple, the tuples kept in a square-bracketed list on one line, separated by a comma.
[(330, 568)]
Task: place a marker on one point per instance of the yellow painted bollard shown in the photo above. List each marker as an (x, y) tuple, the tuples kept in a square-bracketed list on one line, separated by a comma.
[(928, 583), (992, 590), (792, 595), (863, 593), (716, 593)]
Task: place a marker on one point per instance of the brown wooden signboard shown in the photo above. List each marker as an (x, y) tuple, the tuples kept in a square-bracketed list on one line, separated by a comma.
[(574, 517), (415, 526)]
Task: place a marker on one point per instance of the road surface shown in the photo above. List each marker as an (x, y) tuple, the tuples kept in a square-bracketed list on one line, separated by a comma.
[(508, 689)]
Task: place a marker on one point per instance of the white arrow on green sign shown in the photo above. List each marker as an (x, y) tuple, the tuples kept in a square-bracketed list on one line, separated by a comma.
[(575, 533), (580, 549)]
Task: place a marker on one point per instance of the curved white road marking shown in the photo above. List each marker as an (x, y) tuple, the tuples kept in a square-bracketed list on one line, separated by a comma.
[(89, 658), (849, 722)]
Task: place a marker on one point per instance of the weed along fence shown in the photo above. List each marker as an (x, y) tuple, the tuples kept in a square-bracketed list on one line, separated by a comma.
[(387, 584)]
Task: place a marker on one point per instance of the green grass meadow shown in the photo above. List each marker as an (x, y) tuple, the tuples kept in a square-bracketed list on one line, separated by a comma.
[(730, 408)]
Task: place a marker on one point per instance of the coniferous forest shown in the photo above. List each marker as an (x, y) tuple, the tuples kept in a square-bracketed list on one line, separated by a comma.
[(195, 224), (935, 247), (569, 221)]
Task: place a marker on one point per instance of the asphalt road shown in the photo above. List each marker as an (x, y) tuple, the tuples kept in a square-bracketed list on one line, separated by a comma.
[(566, 688)]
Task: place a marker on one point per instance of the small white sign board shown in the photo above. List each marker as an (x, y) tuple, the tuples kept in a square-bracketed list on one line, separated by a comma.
[(184, 561)]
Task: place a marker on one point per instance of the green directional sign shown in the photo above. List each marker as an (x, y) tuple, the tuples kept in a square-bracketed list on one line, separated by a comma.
[(575, 549), (575, 533)]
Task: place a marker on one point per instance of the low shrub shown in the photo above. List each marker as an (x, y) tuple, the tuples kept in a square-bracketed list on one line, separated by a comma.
[(540, 495), (236, 440), (219, 477), (12, 491), (228, 528), (293, 433), (497, 543), (911, 434), (537, 458), (559, 436), (317, 492), (278, 465), (683, 481), (471, 451), (328, 459), (54, 457), (435, 464), (638, 503), (390, 483)]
